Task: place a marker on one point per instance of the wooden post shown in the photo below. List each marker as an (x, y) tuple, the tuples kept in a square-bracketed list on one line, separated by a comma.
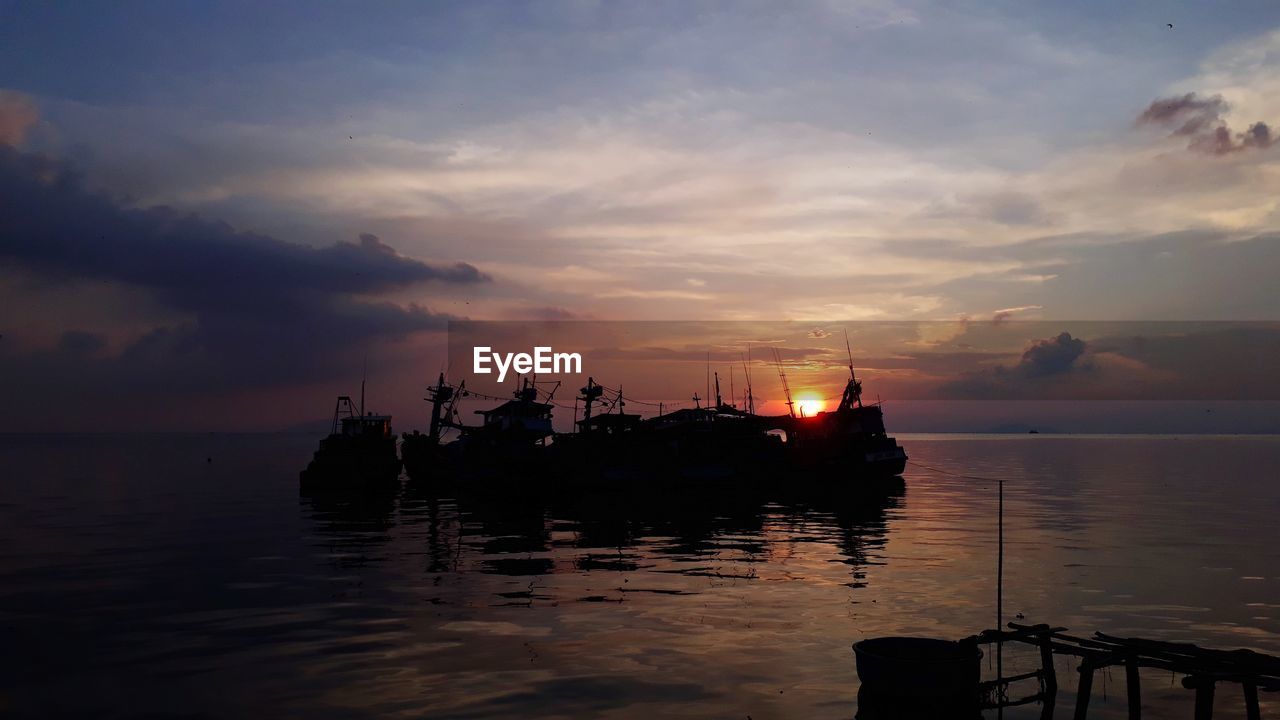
[(1047, 707), (1086, 688), (1048, 679), (1251, 701), (1048, 673), (1204, 698), (1133, 689)]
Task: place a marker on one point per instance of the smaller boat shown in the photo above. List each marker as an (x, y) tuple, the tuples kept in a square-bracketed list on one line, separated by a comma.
[(358, 454)]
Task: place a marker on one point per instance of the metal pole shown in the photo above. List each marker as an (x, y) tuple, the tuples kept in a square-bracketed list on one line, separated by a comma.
[(1000, 589)]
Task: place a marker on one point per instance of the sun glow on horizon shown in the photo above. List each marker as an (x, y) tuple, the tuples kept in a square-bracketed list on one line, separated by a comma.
[(809, 404)]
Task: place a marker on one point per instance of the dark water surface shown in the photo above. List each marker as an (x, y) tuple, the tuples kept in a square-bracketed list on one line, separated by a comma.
[(139, 580)]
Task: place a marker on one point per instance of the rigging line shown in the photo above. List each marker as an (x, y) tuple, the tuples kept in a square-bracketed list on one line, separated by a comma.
[(953, 474), (627, 398)]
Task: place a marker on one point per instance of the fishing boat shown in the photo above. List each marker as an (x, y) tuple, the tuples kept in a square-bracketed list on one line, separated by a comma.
[(704, 446), (612, 447), (509, 443), (722, 445), (358, 454), (850, 440)]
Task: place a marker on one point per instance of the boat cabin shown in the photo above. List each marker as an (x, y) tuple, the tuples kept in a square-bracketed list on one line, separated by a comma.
[(610, 423), (368, 425), (348, 422), (518, 415)]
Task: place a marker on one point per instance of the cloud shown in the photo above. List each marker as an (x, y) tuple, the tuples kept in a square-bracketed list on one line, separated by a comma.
[(1200, 120), (1053, 356), (52, 224), (1212, 361), (17, 114), (81, 343), (1161, 361), (1036, 375), (252, 310), (1003, 314)]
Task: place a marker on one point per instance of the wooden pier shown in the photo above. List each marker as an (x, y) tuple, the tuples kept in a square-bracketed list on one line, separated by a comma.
[(1203, 668)]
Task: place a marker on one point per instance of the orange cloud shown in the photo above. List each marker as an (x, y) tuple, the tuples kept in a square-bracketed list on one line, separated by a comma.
[(17, 114)]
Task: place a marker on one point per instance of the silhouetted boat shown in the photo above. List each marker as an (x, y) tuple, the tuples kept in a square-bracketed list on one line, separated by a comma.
[(691, 446), (838, 448), (704, 446), (508, 444), (850, 440), (358, 454)]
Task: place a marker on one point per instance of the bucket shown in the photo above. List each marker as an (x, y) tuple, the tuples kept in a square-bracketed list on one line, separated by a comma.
[(915, 667)]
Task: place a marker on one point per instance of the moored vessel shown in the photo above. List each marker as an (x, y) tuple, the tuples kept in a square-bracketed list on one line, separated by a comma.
[(358, 454)]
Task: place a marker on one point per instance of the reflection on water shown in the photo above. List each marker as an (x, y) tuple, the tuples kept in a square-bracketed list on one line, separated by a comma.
[(138, 579)]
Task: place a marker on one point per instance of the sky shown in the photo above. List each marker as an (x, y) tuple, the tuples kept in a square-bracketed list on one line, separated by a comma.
[(216, 215)]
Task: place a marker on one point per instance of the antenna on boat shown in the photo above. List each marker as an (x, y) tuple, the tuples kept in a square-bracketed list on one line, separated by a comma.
[(849, 350), (364, 375), (719, 402), (707, 394)]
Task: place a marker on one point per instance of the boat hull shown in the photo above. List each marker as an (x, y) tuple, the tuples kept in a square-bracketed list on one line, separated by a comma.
[(352, 463)]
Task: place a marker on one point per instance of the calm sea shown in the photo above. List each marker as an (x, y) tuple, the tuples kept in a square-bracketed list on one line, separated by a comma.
[(184, 577)]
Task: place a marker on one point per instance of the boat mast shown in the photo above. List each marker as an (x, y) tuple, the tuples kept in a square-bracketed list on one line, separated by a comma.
[(438, 395), (590, 394), (786, 389), (852, 391)]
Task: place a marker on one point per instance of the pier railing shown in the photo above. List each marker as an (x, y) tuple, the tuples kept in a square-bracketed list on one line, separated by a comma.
[(1202, 668)]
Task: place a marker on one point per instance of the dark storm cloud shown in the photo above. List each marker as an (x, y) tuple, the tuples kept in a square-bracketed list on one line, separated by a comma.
[(1036, 375), (51, 224), (259, 310), (1200, 120), (1051, 357)]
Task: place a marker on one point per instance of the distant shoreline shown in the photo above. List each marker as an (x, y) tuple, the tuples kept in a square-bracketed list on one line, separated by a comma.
[(946, 435)]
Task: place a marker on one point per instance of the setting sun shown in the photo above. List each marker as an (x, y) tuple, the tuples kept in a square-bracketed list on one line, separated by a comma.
[(809, 405)]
